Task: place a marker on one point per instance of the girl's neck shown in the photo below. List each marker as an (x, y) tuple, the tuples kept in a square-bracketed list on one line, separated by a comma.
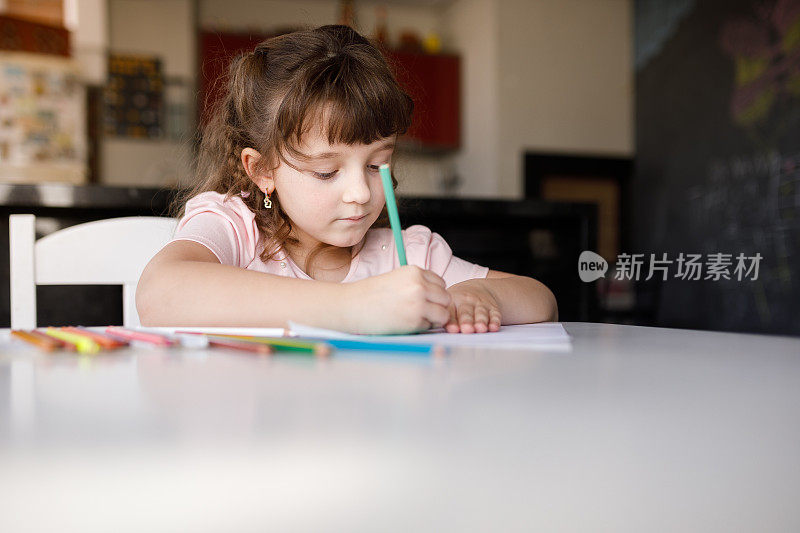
[(331, 260)]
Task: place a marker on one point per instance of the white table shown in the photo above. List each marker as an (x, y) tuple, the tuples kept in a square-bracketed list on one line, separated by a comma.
[(637, 429)]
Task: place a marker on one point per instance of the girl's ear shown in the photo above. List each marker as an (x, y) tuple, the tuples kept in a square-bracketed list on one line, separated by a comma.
[(250, 159)]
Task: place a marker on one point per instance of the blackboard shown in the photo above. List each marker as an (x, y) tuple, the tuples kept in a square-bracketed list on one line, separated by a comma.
[(717, 165)]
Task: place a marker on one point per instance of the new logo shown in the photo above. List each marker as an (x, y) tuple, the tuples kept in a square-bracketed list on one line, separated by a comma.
[(591, 266)]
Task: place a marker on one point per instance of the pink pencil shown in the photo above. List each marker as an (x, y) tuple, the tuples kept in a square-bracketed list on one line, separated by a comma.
[(133, 335)]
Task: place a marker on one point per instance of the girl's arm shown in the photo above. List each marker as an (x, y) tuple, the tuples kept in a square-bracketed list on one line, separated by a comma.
[(481, 305), (185, 285)]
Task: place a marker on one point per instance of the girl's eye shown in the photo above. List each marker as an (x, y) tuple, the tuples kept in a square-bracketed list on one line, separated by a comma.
[(329, 175), (325, 175)]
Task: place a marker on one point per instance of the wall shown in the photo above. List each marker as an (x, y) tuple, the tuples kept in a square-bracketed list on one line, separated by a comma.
[(472, 28), (163, 28), (242, 15), (87, 20), (539, 75), (565, 81)]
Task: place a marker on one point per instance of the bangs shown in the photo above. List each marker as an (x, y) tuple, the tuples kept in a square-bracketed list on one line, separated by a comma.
[(348, 101)]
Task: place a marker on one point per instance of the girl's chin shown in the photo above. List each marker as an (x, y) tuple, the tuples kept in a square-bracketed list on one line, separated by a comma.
[(346, 241)]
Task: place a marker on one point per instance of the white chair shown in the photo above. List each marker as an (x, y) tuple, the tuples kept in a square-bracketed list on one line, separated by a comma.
[(105, 252)]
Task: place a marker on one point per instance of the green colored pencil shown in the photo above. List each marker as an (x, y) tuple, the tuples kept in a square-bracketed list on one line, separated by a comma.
[(394, 217), (285, 344)]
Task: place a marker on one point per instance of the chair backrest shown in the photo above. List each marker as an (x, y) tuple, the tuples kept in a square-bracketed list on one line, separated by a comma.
[(105, 252)]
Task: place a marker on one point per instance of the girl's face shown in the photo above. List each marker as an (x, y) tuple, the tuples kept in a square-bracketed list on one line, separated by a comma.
[(334, 192)]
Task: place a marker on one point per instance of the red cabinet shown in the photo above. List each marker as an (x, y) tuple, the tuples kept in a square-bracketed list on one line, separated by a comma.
[(217, 50), (433, 81), (21, 35)]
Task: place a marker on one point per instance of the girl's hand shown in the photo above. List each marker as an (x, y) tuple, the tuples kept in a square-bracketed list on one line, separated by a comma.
[(404, 300), (474, 308)]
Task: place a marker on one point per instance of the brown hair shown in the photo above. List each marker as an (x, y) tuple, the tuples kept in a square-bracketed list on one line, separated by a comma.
[(276, 93)]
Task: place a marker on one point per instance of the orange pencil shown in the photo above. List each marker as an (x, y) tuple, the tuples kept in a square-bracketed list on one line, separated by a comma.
[(61, 344), (47, 344)]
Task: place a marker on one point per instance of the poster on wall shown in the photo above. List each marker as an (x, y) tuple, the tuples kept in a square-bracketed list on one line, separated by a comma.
[(42, 120), (134, 97)]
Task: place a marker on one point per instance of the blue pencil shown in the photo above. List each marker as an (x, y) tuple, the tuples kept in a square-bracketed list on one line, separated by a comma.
[(412, 349)]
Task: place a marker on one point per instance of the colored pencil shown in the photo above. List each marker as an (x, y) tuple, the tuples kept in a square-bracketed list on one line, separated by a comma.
[(354, 344), (133, 335), (245, 346), (83, 344), (394, 216), (284, 344), (47, 344), (68, 346), (105, 341)]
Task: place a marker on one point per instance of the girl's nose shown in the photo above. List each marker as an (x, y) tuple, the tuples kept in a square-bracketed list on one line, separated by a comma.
[(357, 188)]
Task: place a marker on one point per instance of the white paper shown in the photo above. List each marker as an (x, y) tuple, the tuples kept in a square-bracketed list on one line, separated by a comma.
[(545, 336), (251, 332)]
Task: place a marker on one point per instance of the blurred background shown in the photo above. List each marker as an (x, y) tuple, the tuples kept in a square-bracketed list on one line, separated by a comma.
[(647, 130)]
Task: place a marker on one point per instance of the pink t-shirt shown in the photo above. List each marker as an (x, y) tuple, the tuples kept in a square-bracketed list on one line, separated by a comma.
[(228, 229)]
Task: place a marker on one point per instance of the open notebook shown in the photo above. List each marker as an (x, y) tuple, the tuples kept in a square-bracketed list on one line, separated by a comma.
[(543, 336), (546, 335)]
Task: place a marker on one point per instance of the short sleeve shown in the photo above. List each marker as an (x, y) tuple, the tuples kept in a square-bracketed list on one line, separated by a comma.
[(430, 251), (223, 225)]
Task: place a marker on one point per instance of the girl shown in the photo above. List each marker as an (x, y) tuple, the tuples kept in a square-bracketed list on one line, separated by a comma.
[(282, 226)]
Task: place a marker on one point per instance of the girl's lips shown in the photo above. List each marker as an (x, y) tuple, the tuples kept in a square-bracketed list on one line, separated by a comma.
[(354, 219)]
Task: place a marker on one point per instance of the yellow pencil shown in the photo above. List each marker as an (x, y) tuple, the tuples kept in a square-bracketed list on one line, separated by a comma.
[(103, 340), (83, 344)]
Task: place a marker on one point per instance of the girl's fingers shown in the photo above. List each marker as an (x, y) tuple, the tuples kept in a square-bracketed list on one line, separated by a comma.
[(433, 278), (437, 315), (452, 324), (438, 295), (495, 320), (437, 289), (481, 320), (466, 314)]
